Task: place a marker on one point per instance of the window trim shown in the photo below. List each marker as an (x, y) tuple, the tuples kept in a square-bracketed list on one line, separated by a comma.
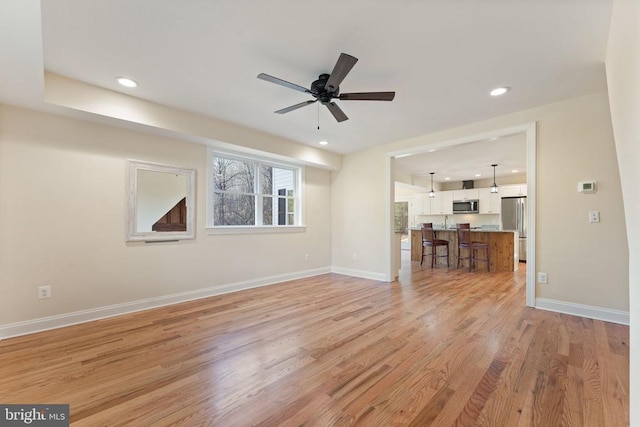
[(264, 159)]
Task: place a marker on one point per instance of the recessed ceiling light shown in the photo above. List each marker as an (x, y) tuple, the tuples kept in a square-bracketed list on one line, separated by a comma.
[(431, 150), (126, 82), (499, 91), (447, 179), (515, 171), (478, 174), (323, 143)]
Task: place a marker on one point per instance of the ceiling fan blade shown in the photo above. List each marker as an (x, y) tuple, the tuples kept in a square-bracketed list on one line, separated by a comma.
[(268, 78), (340, 70), (295, 107), (339, 115), (367, 96)]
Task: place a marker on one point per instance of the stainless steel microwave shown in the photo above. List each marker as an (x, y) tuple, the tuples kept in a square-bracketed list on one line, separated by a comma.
[(466, 206)]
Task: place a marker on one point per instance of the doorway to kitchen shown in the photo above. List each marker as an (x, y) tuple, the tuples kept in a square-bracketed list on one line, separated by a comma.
[(526, 131)]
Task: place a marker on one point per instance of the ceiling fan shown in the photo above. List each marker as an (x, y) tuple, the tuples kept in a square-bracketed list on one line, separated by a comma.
[(327, 88)]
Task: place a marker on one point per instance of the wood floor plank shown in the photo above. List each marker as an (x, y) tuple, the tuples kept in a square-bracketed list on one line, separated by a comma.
[(437, 347)]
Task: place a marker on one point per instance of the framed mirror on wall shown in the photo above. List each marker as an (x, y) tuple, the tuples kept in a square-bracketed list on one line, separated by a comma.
[(161, 202)]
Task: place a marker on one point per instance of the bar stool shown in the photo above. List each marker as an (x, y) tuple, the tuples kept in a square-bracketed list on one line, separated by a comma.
[(429, 240), (465, 242)]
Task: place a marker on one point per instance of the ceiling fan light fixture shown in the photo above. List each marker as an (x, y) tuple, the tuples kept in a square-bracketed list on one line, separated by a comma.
[(127, 82), (432, 193), (494, 186)]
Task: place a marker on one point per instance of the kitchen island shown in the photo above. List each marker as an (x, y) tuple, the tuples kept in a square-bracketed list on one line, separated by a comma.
[(503, 248)]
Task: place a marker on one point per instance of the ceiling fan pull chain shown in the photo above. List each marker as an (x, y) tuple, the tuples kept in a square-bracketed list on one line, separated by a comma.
[(318, 116)]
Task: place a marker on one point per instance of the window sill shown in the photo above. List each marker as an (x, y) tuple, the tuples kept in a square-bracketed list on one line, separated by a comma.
[(239, 229)]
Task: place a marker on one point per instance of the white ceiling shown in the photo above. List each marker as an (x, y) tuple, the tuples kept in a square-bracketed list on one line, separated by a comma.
[(441, 57), (466, 161)]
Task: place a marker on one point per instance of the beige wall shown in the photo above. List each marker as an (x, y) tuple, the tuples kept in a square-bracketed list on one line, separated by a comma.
[(104, 103), (358, 215), (62, 222), (575, 143), (623, 79)]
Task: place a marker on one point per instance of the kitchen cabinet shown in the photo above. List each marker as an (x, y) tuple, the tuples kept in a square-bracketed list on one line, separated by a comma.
[(421, 204), (414, 206), (490, 203), (442, 203), (513, 190), (468, 194)]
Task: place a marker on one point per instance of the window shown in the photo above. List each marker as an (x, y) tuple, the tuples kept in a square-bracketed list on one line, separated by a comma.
[(252, 192)]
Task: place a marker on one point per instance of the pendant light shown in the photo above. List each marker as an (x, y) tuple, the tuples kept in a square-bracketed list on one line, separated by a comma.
[(432, 193), (494, 187)]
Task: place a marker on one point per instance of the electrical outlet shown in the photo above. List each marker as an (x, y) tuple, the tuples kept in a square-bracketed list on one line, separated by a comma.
[(44, 292), (354, 256), (542, 278), (306, 257), (594, 216)]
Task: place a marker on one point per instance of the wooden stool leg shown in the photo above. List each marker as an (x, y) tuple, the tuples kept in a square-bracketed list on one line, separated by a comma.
[(488, 258), (447, 255), (422, 257), (433, 255)]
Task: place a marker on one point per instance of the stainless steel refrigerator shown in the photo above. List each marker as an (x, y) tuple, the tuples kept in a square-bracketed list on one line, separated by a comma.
[(514, 218)]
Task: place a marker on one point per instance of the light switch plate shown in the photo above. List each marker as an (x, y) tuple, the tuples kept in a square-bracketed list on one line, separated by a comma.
[(594, 216)]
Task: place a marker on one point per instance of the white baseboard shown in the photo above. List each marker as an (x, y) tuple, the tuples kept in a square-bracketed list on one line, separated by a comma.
[(599, 313), (360, 273), (68, 319)]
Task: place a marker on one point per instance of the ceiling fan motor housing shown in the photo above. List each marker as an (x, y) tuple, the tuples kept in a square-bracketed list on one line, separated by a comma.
[(318, 89)]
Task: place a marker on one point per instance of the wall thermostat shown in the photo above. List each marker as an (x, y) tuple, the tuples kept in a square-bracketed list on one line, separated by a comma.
[(587, 187)]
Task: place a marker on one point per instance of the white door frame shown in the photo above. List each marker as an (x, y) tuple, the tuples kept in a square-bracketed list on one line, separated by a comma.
[(529, 129)]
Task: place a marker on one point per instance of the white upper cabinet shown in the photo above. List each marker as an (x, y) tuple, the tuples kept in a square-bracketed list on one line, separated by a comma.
[(434, 203), (420, 204), (447, 202), (442, 204), (490, 203), (469, 194), (513, 190)]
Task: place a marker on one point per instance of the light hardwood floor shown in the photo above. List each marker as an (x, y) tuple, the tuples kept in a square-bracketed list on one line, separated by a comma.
[(439, 347)]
